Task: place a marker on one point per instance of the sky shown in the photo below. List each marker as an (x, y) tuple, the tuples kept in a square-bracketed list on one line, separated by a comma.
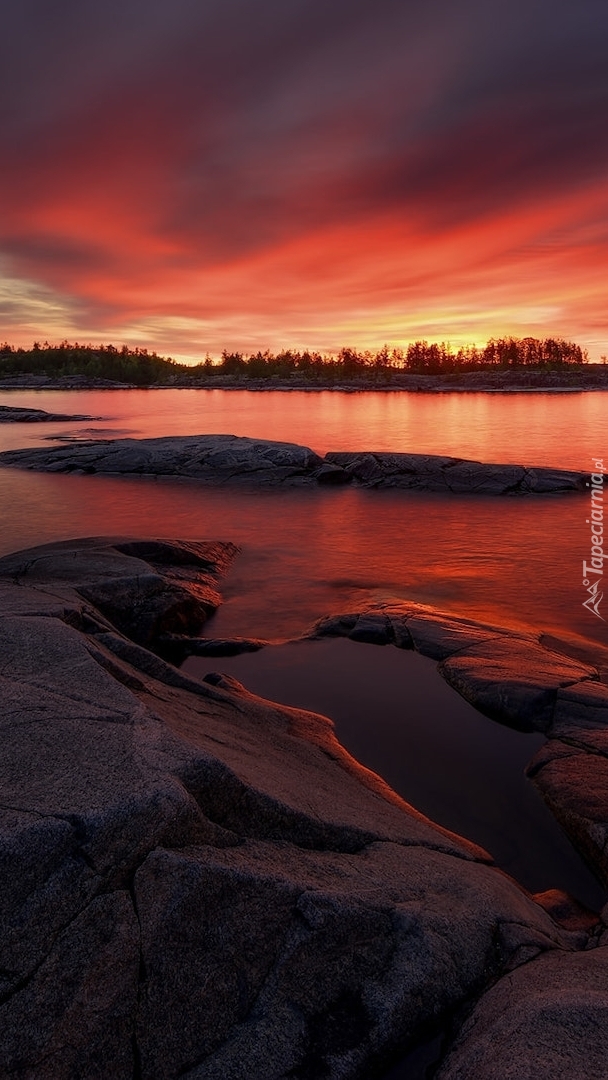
[(194, 175)]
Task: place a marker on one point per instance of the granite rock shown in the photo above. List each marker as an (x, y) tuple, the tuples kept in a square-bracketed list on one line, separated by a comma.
[(202, 883), (228, 459), (574, 784), (546, 1021)]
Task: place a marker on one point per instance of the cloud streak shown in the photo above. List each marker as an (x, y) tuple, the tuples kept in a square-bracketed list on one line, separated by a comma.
[(244, 175)]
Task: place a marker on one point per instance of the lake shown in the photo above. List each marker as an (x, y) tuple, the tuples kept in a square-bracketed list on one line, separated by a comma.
[(561, 429), (306, 552)]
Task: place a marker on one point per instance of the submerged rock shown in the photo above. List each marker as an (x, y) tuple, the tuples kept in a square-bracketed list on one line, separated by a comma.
[(203, 884)]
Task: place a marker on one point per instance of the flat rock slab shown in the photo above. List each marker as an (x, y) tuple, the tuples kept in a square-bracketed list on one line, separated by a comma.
[(449, 474), (546, 1021), (220, 459), (12, 415), (201, 883), (215, 459)]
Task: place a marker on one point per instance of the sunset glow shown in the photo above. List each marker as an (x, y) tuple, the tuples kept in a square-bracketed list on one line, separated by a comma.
[(193, 177)]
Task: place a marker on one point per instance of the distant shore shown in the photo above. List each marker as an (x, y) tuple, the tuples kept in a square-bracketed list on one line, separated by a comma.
[(572, 379)]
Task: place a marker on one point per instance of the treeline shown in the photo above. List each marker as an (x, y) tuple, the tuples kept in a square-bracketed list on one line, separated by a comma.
[(143, 368), (419, 357), (126, 365)]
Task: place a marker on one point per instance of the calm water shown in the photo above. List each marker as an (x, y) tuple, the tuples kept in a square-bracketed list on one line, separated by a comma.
[(396, 714), (306, 552), (560, 429)]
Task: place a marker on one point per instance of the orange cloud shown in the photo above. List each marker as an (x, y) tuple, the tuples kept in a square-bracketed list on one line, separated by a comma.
[(408, 173)]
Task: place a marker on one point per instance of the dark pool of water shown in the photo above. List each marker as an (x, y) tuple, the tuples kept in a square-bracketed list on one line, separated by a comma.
[(396, 715)]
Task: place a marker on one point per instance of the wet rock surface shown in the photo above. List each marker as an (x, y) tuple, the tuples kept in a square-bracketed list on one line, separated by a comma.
[(202, 883), (222, 459)]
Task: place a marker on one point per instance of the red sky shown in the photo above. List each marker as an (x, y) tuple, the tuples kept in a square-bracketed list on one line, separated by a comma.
[(191, 176)]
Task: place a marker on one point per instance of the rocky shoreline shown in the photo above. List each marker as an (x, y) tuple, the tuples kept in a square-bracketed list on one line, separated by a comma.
[(574, 378), (204, 884), (230, 459)]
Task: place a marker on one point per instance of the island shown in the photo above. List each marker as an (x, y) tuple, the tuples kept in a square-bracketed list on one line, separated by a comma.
[(230, 459)]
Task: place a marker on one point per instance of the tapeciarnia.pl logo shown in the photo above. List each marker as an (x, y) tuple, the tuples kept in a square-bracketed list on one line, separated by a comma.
[(593, 571)]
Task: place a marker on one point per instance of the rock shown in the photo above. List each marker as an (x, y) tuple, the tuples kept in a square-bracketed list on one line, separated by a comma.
[(434, 473), (131, 584), (356, 949), (567, 911), (12, 415), (228, 459), (202, 883), (176, 647), (552, 480), (574, 784), (485, 479), (215, 459), (440, 637), (513, 680), (372, 627), (584, 705), (546, 1021), (76, 1015)]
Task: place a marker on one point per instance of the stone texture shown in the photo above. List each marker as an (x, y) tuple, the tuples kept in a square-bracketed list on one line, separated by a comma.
[(546, 1021), (146, 589), (222, 459), (75, 1016), (214, 459), (582, 706), (10, 414), (435, 473), (361, 949), (513, 680), (201, 883), (574, 784)]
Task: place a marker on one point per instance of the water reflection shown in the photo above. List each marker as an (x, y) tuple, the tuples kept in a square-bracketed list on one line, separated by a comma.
[(307, 552), (560, 430)]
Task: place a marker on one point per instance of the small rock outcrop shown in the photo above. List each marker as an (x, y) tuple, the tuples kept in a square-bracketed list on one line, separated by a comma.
[(228, 459), (10, 414), (430, 472), (199, 883)]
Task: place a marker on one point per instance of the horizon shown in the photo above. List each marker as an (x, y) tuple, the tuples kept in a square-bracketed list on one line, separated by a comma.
[(176, 178)]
